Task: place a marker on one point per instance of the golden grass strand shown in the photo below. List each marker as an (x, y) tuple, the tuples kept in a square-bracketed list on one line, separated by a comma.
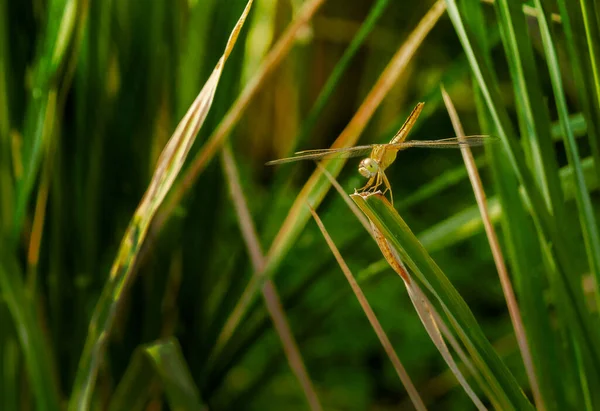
[(509, 295), (366, 307), (269, 291)]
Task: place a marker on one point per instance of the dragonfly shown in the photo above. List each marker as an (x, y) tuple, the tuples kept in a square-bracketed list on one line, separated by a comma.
[(383, 155)]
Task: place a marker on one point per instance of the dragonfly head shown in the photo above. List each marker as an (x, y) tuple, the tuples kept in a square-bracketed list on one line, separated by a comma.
[(368, 167)]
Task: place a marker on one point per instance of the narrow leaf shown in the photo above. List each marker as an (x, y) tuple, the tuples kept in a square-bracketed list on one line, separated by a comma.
[(506, 391), (160, 361)]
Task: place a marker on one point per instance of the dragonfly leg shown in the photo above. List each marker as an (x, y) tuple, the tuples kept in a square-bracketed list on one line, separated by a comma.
[(373, 183), (387, 186), (366, 186), (378, 183)]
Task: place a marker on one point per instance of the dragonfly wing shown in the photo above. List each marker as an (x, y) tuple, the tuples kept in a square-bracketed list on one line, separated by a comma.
[(454, 142), (321, 154)]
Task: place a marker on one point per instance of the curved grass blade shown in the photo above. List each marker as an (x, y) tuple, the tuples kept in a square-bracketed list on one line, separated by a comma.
[(426, 313), (162, 361), (372, 317), (467, 223), (506, 391), (38, 361), (168, 166)]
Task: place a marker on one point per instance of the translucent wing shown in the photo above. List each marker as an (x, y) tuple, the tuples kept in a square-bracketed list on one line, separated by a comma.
[(319, 154), (348, 152), (454, 142)]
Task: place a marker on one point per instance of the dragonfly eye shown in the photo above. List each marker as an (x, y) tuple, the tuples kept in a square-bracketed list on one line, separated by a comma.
[(368, 167)]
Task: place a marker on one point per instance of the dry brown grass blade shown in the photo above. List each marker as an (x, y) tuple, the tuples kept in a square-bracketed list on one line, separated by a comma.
[(270, 294), (366, 307), (168, 166), (298, 214), (509, 295)]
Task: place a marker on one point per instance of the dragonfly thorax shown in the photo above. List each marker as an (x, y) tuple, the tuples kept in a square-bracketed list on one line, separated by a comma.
[(368, 167)]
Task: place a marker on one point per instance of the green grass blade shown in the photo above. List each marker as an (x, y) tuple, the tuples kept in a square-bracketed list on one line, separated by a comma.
[(534, 118), (458, 227), (590, 16), (6, 176), (578, 124), (162, 360), (589, 225), (467, 222), (430, 319), (534, 121), (38, 360), (548, 227), (577, 48), (485, 80), (11, 364), (168, 166), (63, 18), (499, 261), (372, 317), (507, 392), (524, 255)]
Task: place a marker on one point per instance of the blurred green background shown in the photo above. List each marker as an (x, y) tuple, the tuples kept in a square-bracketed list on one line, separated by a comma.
[(86, 110)]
